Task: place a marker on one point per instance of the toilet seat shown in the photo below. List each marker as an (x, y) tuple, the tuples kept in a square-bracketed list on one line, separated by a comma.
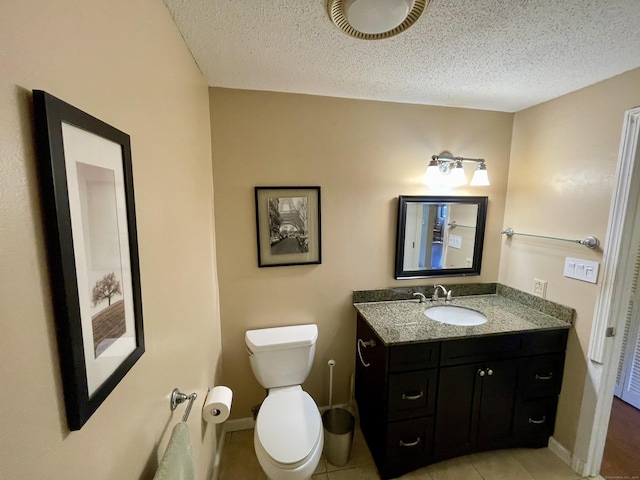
[(289, 426)]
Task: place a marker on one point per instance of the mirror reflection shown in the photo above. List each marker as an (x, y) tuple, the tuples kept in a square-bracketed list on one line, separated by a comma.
[(440, 236)]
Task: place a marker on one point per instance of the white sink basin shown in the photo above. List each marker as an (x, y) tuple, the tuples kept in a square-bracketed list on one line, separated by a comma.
[(454, 315)]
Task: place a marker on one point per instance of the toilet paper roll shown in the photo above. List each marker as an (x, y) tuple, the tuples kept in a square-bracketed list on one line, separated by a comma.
[(217, 405)]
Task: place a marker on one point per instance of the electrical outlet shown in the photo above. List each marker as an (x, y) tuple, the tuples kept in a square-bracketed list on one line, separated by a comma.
[(540, 288)]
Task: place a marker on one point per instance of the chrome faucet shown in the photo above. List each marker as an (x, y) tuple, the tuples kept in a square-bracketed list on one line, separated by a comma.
[(434, 297), (423, 299)]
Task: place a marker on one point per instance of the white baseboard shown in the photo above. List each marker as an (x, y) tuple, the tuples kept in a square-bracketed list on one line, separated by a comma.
[(237, 424), (576, 464), (247, 423), (218, 457), (229, 426), (561, 452)]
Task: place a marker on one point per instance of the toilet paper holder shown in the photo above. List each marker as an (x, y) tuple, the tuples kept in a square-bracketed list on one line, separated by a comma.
[(177, 397)]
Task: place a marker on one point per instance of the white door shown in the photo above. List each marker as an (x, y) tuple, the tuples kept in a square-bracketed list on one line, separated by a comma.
[(628, 379), (412, 235)]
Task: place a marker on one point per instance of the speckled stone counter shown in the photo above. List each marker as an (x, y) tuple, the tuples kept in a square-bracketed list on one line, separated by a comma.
[(404, 321)]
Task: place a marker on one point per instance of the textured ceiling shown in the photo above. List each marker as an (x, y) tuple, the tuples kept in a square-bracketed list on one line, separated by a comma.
[(502, 55)]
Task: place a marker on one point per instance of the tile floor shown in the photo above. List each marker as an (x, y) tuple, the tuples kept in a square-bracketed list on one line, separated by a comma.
[(239, 462)]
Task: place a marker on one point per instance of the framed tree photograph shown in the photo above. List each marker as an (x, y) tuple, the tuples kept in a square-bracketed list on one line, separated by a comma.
[(86, 183), (288, 226)]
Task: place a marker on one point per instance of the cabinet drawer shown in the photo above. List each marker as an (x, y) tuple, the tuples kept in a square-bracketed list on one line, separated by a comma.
[(480, 349), (534, 421), (416, 356), (408, 445), (543, 376), (412, 394), (549, 341)]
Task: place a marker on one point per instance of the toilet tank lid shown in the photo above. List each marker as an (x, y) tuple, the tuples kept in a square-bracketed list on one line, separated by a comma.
[(281, 337)]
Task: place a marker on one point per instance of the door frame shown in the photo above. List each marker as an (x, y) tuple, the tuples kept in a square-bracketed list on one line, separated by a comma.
[(610, 311)]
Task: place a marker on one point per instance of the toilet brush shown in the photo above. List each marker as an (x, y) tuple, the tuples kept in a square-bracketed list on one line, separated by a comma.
[(332, 363)]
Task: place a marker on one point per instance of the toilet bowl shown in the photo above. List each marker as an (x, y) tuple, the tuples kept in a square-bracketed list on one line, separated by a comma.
[(288, 436)]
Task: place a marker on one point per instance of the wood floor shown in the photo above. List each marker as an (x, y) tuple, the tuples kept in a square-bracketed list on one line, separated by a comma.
[(621, 458)]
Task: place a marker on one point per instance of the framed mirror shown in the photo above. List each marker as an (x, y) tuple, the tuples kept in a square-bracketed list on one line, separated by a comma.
[(439, 236)]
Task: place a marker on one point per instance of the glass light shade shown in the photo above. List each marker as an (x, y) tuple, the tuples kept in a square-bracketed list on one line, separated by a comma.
[(432, 176), (457, 177), (480, 177), (377, 16)]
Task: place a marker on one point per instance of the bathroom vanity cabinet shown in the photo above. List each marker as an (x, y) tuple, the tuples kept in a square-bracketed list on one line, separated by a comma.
[(424, 402)]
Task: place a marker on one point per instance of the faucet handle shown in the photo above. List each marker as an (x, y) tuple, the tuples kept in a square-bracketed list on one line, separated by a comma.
[(423, 299), (449, 298)]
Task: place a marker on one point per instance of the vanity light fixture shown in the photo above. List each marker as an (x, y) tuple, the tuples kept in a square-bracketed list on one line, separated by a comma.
[(375, 19), (445, 169)]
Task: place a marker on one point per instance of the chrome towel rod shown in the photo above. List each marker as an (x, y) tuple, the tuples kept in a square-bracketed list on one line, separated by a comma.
[(455, 224), (177, 397), (589, 242)]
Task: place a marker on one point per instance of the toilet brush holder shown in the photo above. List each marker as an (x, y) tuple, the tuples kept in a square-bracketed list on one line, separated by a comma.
[(339, 425)]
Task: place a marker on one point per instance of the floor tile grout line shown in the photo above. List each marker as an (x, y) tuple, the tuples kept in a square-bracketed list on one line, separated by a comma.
[(524, 467), (478, 471)]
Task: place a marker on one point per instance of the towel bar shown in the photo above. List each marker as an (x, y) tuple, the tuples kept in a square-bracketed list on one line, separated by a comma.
[(177, 397), (589, 242), (455, 224)]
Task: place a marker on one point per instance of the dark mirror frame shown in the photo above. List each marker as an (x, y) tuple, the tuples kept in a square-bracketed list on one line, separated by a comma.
[(403, 200)]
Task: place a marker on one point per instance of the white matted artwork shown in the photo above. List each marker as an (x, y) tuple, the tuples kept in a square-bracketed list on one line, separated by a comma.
[(86, 184), (100, 238)]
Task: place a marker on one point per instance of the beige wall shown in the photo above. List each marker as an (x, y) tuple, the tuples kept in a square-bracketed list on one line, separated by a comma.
[(561, 175), (125, 63), (363, 154)]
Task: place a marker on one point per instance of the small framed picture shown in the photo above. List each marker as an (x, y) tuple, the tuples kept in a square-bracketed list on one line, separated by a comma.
[(86, 184), (288, 226)]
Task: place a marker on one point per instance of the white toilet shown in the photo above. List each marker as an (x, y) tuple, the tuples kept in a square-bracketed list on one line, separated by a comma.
[(288, 437)]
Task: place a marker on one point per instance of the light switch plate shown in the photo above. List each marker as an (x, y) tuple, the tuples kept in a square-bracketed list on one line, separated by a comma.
[(455, 241), (584, 270)]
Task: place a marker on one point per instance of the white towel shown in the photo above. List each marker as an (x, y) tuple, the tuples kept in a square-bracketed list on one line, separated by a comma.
[(177, 461)]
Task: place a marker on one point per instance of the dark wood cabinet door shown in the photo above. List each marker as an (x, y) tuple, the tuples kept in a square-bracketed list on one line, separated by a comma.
[(475, 408), (455, 425), (497, 404)]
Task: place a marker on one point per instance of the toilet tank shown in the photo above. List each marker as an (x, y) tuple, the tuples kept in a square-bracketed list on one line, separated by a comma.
[(281, 356)]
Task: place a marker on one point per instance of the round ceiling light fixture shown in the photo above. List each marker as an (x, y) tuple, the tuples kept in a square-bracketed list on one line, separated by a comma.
[(375, 19)]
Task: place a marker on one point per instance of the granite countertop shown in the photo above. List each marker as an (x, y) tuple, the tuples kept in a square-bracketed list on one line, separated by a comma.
[(403, 321)]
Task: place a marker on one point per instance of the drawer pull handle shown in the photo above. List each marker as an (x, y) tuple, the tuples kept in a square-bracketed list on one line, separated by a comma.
[(544, 377), (413, 397), (411, 444), (489, 371), (482, 373), (538, 422)]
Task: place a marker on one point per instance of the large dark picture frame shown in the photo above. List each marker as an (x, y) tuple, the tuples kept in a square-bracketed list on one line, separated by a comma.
[(86, 185), (288, 226)]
